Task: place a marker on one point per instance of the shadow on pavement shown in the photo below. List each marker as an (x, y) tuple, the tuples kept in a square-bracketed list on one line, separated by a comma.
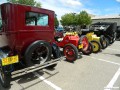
[(30, 77), (118, 55), (1, 88)]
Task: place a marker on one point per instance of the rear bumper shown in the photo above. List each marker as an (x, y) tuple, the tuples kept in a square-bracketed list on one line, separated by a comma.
[(34, 68)]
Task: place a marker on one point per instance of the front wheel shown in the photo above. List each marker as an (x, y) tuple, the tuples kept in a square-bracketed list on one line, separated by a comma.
[(71, 52), (5, 77), (96, 46)]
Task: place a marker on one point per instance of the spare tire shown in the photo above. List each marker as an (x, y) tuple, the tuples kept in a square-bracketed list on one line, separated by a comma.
[(38, 52)]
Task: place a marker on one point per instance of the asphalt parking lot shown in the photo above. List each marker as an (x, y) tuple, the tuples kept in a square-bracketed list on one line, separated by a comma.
[(99, 71)]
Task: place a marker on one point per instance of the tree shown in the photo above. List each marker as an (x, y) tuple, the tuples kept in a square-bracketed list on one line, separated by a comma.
[(26, 2), (68, 19), (56, 22), (83, 18)]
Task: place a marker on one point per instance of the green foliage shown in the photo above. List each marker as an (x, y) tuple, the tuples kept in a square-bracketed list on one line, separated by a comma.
[(76, 19), (26, 2), (83, 18), (56, 22), (68, 19)]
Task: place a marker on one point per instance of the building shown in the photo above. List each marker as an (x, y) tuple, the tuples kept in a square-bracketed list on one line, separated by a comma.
[(109, 18)]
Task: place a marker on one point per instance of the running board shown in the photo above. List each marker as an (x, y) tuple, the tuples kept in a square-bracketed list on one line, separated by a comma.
[(34, 68)]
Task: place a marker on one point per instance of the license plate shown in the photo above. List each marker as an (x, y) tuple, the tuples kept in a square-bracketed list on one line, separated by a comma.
[(10, 60), (80, 46)]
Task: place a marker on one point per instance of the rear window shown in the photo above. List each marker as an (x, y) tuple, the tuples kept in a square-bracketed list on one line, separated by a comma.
[(36, 19)]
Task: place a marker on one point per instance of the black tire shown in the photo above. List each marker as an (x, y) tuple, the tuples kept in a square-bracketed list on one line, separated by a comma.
[(89, 50), (56, 54), (38, 52), (113, 38), (103, 42), (5, 77), (96, 46), (108, 41), (73, 49)]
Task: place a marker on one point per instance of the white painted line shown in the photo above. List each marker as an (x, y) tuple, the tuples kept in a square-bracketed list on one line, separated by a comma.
[(106, 61), (48, 82), (113, 80), (113, 49)]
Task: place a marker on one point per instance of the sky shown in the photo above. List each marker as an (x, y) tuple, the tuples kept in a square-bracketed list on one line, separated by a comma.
[(95, 7)]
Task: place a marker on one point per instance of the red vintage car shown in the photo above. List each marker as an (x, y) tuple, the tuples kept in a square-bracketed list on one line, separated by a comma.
[(26, 38), (72, 43)]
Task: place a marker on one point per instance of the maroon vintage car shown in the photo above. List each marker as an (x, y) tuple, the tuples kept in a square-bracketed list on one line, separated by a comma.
[(26, 38)]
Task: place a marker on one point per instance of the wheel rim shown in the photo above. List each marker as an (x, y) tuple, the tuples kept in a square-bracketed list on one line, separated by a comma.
[(69, 53), (85, 43), (95, 46), (39, 55)]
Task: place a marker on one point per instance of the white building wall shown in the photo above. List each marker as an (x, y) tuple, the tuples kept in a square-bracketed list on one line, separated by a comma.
[(107, 20)]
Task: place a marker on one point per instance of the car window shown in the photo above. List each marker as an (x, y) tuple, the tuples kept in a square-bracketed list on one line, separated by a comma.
[(36, 19)]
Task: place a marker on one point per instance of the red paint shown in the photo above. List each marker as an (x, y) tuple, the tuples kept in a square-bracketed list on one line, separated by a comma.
[(69, 39), (18, 34)]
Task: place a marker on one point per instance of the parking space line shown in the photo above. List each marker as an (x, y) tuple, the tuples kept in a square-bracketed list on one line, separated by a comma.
[(47, 82), (113, 80), (113, 49), (106, 61), (115, 77)]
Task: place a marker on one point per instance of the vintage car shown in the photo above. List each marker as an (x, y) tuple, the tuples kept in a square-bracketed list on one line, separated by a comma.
[(26, 39)]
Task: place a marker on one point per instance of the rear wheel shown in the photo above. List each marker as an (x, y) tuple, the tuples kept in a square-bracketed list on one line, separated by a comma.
[(71, 52), (89, 50), (108, 41), (5, 77), (85, 43), (96, 46), (103, 42), (38, 52)]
